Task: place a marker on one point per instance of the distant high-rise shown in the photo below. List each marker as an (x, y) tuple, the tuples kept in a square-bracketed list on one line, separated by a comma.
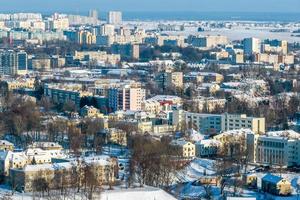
[(94, 14), (114, 17), (12, 63), (252, 45)]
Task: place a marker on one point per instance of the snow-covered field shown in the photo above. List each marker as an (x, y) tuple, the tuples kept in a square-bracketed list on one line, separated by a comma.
[(235, 33), (144, 193)]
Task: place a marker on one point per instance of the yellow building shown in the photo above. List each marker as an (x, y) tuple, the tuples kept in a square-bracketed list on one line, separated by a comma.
[(6, 145), (91, 112), (69, 172), (174, 79), (276, 185), (256, 124), (99, 56), (184, 148), (117, 136), (19, 83)]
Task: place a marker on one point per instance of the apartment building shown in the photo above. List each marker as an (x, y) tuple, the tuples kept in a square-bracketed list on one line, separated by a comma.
[(99, 56), (61, 93), (13, 63), (281, 148), (103, 168), (252, 45), (232, 122), (114, 17), (216, 123), (126, 97), (184, 148), (16, 160), (208, 42)]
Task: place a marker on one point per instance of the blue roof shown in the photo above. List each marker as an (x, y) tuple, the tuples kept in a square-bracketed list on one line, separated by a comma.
[(272, 178)]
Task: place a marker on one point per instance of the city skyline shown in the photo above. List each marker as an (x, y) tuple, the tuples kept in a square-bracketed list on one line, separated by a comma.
[(290, 6)]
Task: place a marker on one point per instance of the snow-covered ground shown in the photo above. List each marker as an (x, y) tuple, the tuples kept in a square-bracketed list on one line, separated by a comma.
[(196, 169), (144, 193), (237, 32)]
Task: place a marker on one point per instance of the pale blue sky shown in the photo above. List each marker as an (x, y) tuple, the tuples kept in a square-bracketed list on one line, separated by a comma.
[(152, 5)]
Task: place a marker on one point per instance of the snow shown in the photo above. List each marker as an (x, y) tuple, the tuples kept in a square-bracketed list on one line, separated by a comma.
[(145, 193), (196, 169), (271, 178)]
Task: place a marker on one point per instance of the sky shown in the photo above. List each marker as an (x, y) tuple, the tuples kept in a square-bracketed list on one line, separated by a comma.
[(151, 5)]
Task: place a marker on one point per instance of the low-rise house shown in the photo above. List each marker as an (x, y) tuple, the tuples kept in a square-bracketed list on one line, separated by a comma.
[(184, 148), (6, 145), (114, 135), (250, 180), (276, 185), (209, 180), (90, 111), (9, 159)]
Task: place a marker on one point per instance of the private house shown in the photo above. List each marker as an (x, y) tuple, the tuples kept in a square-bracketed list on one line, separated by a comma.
[(6, 145), (276, 185)]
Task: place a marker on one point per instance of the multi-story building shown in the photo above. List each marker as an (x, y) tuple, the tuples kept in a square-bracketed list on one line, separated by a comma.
[(85, 37), (99, 56), (174, 79), (127, 51), (204, 123), (116, 136), (20, 83), (16, 160), (94, 14), (209, 103), (107, 30), (184, 148), (207, 148), (12, 62), (208, 42), (281, 148), (160, 103), (232, 122), (275, 46), (65, 93), (126, 98), (114, 17), (215, 123), (102, 167), (252, 45)]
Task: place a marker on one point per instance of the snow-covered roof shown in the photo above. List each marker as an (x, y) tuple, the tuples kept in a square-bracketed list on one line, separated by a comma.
[(272, 178), (209, 142), (195, 136), (97, 160), (179, 142), (290, 134), (240, 132), (5, 142)]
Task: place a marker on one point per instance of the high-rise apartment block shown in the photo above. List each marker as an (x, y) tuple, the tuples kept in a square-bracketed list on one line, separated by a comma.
[(12, 63), (252, 45), (126, 98), (114, 17)]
